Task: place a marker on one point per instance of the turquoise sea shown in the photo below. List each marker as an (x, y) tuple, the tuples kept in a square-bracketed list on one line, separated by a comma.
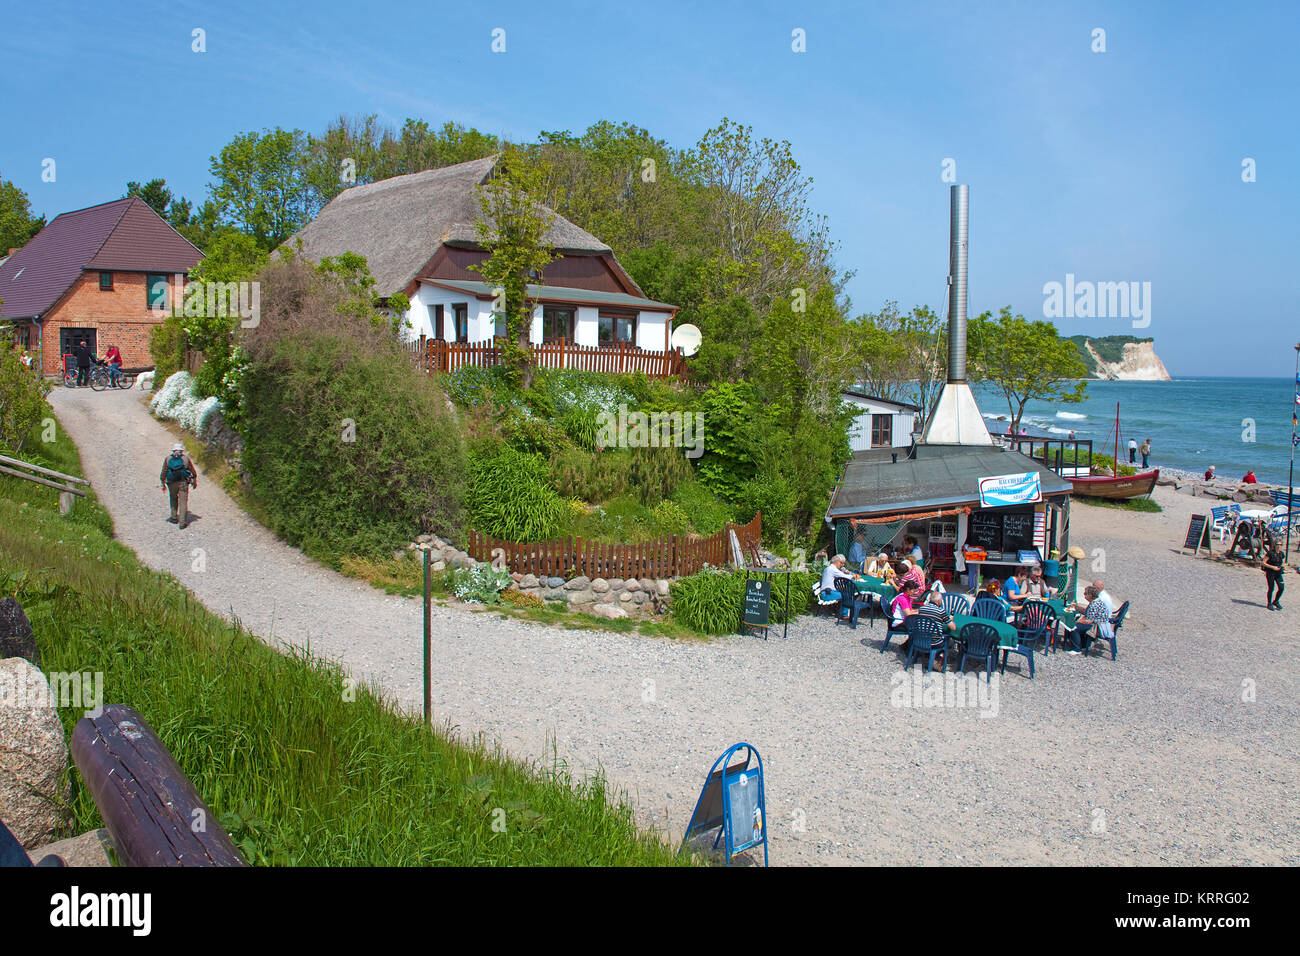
[(1192, 422)]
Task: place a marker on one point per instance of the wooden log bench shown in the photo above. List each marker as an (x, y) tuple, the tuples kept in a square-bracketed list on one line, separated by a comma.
[(151, 810)]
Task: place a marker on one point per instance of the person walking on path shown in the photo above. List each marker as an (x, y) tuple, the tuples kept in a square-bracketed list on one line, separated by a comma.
[(1132, 451), (1146, 454), (178, 476), (1273, 565), (82, 354)]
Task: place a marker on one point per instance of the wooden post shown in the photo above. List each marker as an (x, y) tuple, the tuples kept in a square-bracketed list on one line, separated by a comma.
[(65, 503)]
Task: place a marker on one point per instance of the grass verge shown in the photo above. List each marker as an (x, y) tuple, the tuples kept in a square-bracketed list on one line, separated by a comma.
[(302, 767), (1146, 505)]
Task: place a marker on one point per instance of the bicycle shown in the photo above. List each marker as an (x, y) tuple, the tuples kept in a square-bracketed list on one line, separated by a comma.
[(100, 377)]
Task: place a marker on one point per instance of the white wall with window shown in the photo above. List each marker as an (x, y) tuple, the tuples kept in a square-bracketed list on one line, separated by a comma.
[(879, 423)]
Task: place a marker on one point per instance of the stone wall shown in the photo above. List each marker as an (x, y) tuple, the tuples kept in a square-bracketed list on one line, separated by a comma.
[(604, 597)]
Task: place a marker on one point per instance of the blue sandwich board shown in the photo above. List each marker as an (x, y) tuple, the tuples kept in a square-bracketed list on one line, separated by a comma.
[(733, 802)]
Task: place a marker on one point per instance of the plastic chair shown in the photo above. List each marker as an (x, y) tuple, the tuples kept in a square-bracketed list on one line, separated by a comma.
[(929, 637), (979, 641), (1037, 622), (903, 630), (991, 609), (1224, 519), (827, 598), (1116, 622), (955, 603), (849, 605)]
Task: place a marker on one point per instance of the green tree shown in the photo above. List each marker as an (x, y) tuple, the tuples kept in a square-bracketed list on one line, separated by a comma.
[(513, 226), (231, 257), (901, 356), (22, 401), (1024, 360), (154, 192), (17, 224), (259, 185)]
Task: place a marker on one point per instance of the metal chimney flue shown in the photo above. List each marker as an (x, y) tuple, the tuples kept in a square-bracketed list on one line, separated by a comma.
[(958, 234)]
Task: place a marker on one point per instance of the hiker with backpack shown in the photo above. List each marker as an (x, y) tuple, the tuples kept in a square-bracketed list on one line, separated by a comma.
[(178, 476)]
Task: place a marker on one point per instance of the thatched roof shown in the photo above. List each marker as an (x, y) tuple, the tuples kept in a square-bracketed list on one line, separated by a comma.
[(398, 223)]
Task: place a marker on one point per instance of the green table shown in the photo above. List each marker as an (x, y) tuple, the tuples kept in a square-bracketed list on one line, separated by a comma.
[(1007, 637), (1067, 616), (886, 591)]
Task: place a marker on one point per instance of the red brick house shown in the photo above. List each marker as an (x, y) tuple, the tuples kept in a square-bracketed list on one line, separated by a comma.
[(106, 274)]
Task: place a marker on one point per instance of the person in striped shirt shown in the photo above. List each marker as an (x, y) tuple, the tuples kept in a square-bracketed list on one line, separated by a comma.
[(933, 608)]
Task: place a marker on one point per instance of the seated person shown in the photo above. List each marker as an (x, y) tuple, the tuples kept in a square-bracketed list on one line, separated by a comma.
[(881, 568), (933, 607), (1037, 585), (993, 589), (857, 556), (1095, 615), (914, 553), (1249, 478), (1209, 473), (1015, 586), (1104, 596), (913, 572), (835, 569), (903, 606)]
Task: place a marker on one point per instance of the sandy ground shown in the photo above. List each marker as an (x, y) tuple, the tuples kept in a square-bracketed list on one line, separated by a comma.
[(1179, 752)]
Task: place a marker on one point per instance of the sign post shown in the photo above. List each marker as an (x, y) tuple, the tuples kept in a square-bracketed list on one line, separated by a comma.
[(756, 605), (733, 802), (1198, 534)]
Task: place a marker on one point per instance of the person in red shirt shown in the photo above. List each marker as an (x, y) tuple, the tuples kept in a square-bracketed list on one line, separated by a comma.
[(1209, 473), (1250, 477), (114, 359)]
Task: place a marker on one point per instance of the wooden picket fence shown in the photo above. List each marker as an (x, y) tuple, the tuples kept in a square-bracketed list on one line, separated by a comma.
[(439, 355), (670, 556)]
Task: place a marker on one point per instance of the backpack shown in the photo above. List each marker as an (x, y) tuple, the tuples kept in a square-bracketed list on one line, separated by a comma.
[(176, 470)]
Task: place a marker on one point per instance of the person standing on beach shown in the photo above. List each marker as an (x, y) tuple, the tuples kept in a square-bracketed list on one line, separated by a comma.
[(1132, 451), (1146, 454), (1273, 566)]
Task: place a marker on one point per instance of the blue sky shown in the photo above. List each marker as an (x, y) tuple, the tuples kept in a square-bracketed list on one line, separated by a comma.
[(1117, 166)]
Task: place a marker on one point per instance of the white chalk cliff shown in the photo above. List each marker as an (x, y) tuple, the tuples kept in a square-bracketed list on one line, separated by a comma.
[(1139, 363)]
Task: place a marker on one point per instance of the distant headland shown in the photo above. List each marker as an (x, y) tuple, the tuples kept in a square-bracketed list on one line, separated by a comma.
[(1124, 358)]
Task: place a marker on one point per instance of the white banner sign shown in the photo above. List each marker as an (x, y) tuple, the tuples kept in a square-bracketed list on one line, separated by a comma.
[(1002, 490)]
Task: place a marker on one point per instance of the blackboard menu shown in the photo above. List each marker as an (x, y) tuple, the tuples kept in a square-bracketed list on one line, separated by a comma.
[(758, 597), (985, 530), (1018, 531), (1197, 536)]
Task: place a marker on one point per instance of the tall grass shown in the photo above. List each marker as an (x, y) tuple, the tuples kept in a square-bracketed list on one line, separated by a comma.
[(302, 768)]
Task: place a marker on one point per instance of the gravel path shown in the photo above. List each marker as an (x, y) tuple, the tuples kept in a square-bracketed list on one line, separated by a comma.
[(1152, 759)]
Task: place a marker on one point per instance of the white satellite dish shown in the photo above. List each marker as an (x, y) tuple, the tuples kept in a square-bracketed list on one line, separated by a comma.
[(687, 338)]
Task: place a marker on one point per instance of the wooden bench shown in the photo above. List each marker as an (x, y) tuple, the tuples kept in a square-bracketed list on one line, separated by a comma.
[(151, 810)]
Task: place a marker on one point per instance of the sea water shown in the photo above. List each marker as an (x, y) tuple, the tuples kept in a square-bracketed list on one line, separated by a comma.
[(1232, 423)]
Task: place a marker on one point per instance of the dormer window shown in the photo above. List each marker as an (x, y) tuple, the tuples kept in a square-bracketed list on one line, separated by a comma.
[(106, 282)]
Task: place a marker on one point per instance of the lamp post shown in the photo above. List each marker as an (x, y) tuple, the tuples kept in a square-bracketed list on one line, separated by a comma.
[(1290, 480)]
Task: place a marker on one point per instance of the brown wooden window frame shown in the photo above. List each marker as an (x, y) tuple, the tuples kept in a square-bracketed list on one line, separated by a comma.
[(548, 316), (460, 320), (614, 318), (877, 420)]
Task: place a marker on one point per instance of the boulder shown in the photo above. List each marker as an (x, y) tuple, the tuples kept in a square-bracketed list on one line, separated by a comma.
[(528, 581), (609, 597), (640, 597), (611, 612), (632, 585), (581, 597), (555, 582), (554, 594), (88, 849), (581, 582), (647, 584), (616, 584), (600, 585), (438, 566), (661, 587), (16, 639), (626, 596), (33, 757)]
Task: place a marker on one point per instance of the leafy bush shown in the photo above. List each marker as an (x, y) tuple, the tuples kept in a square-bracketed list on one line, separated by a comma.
[(590, 391), (773, 496), (529, 433), (581, 425), (22, 402), (167, 347), (707, 513), (349, 447), (509, 496), (729, 415), (481, 584), (472, 387), (671, 517), (520, 599)]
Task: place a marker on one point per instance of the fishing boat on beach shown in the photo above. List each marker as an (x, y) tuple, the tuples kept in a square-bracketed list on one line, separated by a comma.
[(1117, 486)]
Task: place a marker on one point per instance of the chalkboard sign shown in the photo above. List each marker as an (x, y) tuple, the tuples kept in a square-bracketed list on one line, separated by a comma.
[(746, 821), (1017, 532), (1198, 534), (985, 530), (758, 601)]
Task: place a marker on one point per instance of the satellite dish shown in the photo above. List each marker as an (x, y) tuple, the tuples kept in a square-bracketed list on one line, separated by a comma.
[(687, 338)]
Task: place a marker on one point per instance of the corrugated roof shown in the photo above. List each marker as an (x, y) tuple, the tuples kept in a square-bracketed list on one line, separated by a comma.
[(555, 293), (939, 475), (398, 223), (123, 234)]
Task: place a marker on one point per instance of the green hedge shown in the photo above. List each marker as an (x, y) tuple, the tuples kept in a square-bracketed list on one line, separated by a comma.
[(709, 602)]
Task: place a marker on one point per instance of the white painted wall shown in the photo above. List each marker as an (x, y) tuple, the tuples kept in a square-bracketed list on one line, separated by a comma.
[(586, 329), (860, 428), (650, 328)]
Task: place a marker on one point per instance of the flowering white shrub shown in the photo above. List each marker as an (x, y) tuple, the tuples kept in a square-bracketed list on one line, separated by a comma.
[(481, 583), (176, 401), (589, 393)]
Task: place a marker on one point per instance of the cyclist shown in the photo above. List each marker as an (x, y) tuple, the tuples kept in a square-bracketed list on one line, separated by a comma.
[(114, 359)]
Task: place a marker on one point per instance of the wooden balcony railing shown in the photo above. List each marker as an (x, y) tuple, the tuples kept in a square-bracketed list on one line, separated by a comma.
[(438, 355)]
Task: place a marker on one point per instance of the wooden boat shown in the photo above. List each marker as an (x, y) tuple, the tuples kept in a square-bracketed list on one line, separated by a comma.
[(1125, 486)]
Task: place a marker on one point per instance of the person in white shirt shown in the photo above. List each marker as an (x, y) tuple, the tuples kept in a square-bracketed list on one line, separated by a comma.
[(1104, 596), (835, 569)]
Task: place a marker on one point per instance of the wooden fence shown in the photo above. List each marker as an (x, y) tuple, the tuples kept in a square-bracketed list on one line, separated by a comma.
[(667, 557), (439, 355)]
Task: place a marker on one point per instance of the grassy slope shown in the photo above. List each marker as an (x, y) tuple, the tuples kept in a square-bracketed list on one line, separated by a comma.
[(299, 774)]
